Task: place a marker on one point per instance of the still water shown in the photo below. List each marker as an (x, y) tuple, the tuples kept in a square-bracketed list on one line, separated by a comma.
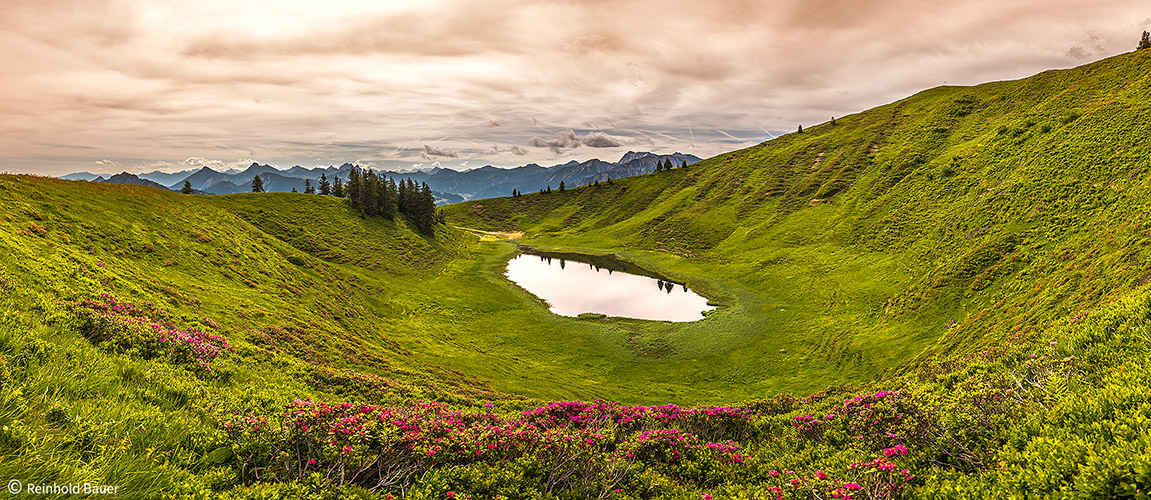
[(572, 287)]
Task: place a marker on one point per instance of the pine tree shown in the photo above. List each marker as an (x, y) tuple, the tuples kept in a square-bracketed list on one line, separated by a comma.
[(833, 120), (1145, 42), (562, 186), (659, 166), (294, 189), (800, 131), (426, 210), (367, 194), (549, 188), (257, 185), (308, 189), (402, 197), (684, 164), (325, 186), (337, 187), (187, 189), (388, 198), (352, 190)]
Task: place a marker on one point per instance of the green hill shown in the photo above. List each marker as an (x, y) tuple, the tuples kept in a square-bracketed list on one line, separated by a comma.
[(969, 214), (942, 297)]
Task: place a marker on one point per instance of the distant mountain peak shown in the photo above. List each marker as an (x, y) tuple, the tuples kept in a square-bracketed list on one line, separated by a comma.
[(126, 178), (634, 155)]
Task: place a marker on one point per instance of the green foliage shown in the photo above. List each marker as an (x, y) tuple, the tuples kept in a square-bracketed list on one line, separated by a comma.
[(373, 194), (976, 334)]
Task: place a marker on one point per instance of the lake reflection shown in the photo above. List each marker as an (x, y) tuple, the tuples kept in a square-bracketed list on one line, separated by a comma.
[(572, 287)]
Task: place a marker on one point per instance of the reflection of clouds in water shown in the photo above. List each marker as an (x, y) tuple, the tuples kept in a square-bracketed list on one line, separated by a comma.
[(575, 289)]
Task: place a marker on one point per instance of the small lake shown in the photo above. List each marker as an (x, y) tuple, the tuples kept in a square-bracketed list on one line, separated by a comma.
[(598, 284)]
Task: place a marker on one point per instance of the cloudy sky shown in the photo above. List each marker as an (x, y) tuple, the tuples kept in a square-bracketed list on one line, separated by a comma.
[(107, 85)]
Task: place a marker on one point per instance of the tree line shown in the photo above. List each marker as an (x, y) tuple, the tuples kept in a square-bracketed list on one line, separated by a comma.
[(373, 194), (662, 166), (666, 164)]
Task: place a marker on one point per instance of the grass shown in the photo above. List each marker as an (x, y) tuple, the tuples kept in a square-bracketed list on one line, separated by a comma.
[(977, 251), (908, 231)]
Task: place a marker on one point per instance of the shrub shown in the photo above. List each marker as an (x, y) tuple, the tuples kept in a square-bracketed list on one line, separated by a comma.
[(128, 329)]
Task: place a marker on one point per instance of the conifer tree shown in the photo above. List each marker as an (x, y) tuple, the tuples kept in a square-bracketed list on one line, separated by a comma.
[(308, 188), (337, 187), (352, 190), (388, 198), (549, 188), (833, 120), (426, 210), (370, 193), (402, 196), (414, 199), (684, 164), (367, 194), (325, 186), (257, 184), (562, 186), (294, 189), (800, 131), (1145, 42), (187, 189)]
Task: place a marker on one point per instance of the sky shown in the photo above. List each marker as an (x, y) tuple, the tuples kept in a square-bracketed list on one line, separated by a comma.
[(106, 85)]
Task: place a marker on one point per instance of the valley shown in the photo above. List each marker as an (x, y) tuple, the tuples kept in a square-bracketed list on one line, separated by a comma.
[(940, 297)]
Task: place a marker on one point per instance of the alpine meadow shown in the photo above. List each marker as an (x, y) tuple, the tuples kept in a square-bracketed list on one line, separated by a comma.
[(942, 297)]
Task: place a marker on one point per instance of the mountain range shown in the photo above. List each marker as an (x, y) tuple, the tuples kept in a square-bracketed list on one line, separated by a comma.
[(448, 186)]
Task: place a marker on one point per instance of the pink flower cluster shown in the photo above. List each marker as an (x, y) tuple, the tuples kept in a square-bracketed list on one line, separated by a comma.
[(879, 419), (599, 413), (896, 450), (150, 335), (321, 437)]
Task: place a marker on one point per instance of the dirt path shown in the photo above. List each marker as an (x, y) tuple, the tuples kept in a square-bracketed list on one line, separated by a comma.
[(493, 235)]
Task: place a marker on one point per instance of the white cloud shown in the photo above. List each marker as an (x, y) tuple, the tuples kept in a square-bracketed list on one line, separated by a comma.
[(293, 82)]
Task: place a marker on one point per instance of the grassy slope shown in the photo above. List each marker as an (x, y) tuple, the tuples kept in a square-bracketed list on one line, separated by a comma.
[(946, 221), (1022, 235), (309, 328)]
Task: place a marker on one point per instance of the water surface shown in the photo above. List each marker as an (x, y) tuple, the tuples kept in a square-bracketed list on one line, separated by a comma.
[(572, 287)]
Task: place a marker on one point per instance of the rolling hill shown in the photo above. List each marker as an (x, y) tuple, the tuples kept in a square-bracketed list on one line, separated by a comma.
[(943, 297)]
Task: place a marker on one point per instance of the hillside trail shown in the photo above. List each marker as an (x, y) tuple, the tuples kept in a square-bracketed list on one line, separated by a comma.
[(493, 235)]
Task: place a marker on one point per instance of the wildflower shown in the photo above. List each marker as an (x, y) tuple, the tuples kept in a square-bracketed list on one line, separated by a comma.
[(707, 496), (895, 451)]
